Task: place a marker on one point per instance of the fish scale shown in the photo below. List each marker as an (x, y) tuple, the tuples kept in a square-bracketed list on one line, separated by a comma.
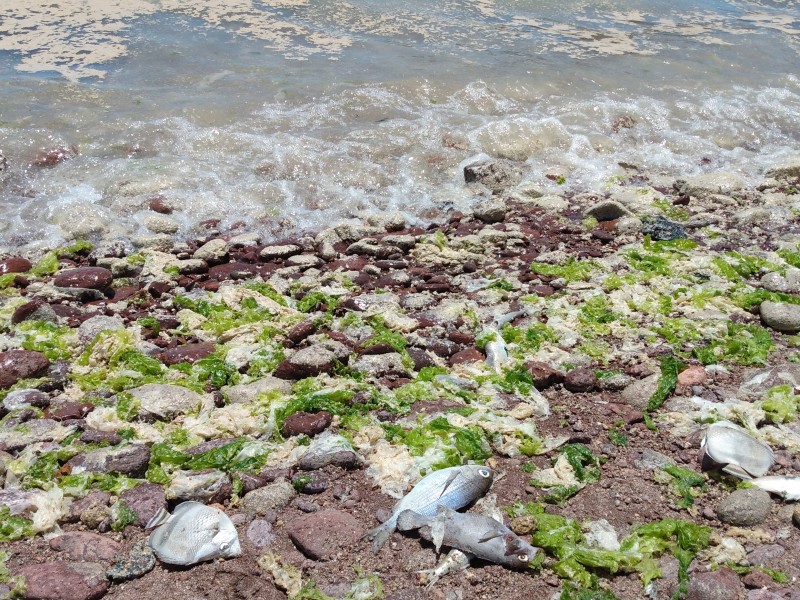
[(454, 488)]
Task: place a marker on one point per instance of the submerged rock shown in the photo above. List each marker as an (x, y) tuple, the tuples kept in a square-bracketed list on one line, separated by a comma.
[(661, 230)]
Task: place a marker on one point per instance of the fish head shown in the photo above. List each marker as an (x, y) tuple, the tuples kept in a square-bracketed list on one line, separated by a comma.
[(519, 553), (226, 542), (480, 477)]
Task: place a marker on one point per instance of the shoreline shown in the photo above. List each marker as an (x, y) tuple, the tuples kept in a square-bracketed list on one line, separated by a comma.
[(376, 331)]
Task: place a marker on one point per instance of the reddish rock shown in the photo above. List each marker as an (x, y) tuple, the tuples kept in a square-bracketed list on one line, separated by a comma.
[(86, 546), (37, 310), (15, 264), (542, 290), (91, 502), (233, 270), (187, 353), (758, 579), (467, 356), (326, 534), (722, 584), (580, 380), (461, 337), (421, 358), (21, 364), (112, 438), (93, 278), (309, 424), (62, 580), (301, 331), (544, 376), (694, 375), (369, 346), (145, 500), (159, 204), (69, 410)]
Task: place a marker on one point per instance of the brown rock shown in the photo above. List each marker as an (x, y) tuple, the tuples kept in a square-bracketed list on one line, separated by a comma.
[(580, 380), (54, 156), (86, 546), (187, 353), (309, 424), (544, 376), (421, 358), (35, 310), (92, 501), (93, 278), (15, 264), (694, 375), (62, 580), (159, 204), (467, 356), (21, 364), (144, 500), (69, 410), (543, 290), (112, 438), (325, 534), (233, 270), (722, 584), (758, 579), (301, 331)]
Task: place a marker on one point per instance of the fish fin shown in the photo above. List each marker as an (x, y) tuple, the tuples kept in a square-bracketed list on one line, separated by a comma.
[(737, 471), (408, 519), (513, 545), (490, 535), (161, 517), (451, 478), (378, 536), (437, 532)]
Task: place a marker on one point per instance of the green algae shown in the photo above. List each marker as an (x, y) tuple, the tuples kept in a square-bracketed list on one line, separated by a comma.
[(572, 270), (780, 405), (742, 343), (266, 290), (122, 516), (50, 339), (687, 483), (14, 527), (670, 367)]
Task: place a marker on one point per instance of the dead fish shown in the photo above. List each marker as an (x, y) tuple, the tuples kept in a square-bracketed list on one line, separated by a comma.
[(193, 533), (496, 353), (742, 455), (787, 488), (455, 561), (454, 488), (476, 535)]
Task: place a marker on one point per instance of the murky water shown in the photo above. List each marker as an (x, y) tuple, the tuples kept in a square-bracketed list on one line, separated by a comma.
[(288, 114)]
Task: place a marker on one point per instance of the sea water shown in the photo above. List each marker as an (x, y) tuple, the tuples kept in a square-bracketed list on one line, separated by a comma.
[(283, 116)]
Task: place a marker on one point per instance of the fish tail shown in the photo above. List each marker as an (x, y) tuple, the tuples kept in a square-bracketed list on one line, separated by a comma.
[(378, 536), (162, 516), (408, 519)]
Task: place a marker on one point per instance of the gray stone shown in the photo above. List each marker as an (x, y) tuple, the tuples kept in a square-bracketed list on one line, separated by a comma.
[(638, 394), (785, 170), (660, 229), (329, 449), (718, 182), (652, 460), (273, 496), (497, 175), (758, 382), (313, 360), (326, 534), (280, 251), (61, 580), (89, 329), (19, 502), (607, 210), (161, 224), (404, 242), (206, 486), (380, 365), (304, 261), (722, 584), (781, 316), (129, 460), (214, 251), (164, 401), (189, 266), (365, 247), (138, 561), (245, 393), (491, 210), (24, 398), (761, 215), (745, 508), (763, 555), (260, 533), (37, 430)]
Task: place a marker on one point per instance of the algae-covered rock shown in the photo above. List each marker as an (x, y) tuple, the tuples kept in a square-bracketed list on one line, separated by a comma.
[(164, 401)]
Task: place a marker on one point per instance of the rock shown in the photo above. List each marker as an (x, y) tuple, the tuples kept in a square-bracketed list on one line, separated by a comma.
[(86, 546), (90, 278), (35, 310), (89, 329), (722, 584), (544, 376), (303, 423), (304, 261), (188, 353), (309, 484), (247, 392), (745, 508), (164, 401), (381, 365), (758, 382), (785, 170), (60, 580), (21, 364), (702, 186), (652, 460), (145, 500), (314, 360), (469, 355), (260, 533), (129, 460), (273, 496), (329, 449), (68, 411), (325, 534), (279, 251), (781, 316), (36, 430), (19, 502), (694, 375), (190, 266), (661, 229), (24, 398), (95, 498), (638, 393), (763, 555), (497, 175), (138, 561), (607, 210), (161, 224), (757, 579), (796, 515), (580, 380), (491, 210), (15, 264), (206, 486), (214, 251)]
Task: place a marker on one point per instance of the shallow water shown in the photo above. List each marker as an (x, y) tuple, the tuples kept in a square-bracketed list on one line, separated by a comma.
[(288, 114)]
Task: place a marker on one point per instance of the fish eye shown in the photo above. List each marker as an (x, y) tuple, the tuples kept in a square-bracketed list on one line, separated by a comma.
[(224, 546), (523, 557), (484, 473)]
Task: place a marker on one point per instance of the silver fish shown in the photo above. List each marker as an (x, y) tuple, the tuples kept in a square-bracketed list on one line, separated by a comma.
[(496, 353), (454, 487), (193, 533), (476, 535), (787, 488), (743, 456)]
